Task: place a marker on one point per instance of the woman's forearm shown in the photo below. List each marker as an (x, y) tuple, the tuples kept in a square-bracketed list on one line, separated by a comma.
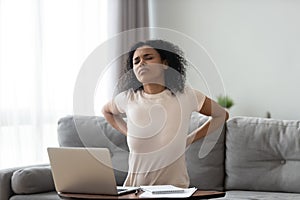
[(211, 125), (218, 116), (116, 121)]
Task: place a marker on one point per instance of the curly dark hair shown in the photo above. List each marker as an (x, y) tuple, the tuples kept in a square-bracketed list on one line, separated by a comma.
[(175, 75)]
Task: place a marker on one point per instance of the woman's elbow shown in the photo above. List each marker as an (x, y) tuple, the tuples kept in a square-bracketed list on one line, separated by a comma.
[(106, 111), (226, 115), (223, 116)]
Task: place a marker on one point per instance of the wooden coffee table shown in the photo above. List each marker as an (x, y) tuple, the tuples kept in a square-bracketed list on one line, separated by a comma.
[(199, 194)]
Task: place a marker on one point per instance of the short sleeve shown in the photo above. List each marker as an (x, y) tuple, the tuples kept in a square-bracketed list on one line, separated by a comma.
[(200, 99), (121, 101), (196, 98)]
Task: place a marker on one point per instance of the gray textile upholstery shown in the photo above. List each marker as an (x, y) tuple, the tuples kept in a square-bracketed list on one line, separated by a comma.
[(261, 158), (5, 183), (32, 180), (263, 154), (39, 196), (93, 131), (96, 132), (6, 190), (255, 195), (206, 173)]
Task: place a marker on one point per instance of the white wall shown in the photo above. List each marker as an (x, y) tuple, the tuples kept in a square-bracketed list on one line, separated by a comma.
[(255, 45)]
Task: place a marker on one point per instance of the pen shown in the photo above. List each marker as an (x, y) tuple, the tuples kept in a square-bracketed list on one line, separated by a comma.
[(137, 191)]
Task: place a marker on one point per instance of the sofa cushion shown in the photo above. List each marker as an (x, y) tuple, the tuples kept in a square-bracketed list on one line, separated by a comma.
[(94, 131), (205, 158), (89, 131), (32, 180), (262, 154), (39, 196), (256, 195)]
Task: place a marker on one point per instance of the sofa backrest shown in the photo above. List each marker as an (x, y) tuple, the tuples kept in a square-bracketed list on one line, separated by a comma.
[(262, 154), (94, 131), (91, 131)]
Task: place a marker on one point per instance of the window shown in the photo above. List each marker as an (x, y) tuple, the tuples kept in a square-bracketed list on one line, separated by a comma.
[(42, 47)]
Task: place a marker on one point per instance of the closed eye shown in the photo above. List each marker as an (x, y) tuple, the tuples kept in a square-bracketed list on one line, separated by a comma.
[(136, 61), (146, 57)]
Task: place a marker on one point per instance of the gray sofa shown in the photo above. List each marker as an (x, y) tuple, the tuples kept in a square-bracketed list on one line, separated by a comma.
[(253, 158)]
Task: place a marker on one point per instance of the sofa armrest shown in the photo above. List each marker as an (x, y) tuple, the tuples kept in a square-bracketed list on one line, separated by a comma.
[(6, 190)]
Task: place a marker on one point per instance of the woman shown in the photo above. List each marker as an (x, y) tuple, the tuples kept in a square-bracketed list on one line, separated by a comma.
[(158, 107)]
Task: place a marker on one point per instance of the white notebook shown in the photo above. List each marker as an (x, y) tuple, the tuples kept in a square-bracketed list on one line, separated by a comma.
[(162, 189), (168, 191)]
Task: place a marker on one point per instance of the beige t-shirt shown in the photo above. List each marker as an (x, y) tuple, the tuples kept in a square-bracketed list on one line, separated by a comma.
[(157, 129)]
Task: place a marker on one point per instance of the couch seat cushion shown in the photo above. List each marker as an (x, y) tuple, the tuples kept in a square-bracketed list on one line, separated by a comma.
[(41, 196), (254, 195)]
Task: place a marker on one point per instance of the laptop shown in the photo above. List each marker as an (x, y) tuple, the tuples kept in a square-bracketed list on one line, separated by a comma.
[(84, 171)]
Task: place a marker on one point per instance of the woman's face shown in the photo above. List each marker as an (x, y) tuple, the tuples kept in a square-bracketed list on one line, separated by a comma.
[(148, 66)]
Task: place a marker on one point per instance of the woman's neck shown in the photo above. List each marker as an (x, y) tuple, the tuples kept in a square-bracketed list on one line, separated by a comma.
[(153, 88)]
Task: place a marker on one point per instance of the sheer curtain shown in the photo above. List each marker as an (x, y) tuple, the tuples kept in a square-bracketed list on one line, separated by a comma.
[(129, 23), (42, 47)]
